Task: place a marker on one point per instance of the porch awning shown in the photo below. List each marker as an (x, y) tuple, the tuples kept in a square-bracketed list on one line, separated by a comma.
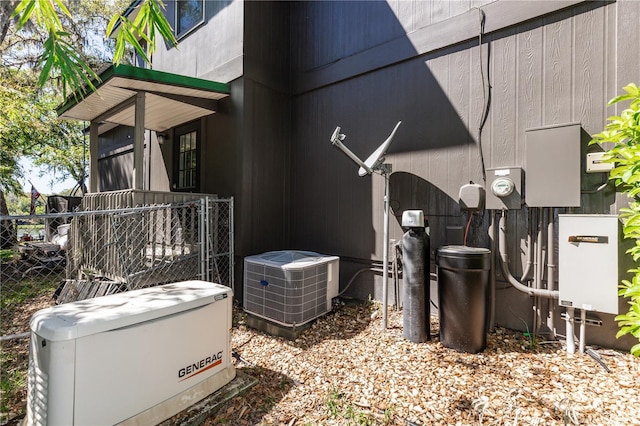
[(170, 99)]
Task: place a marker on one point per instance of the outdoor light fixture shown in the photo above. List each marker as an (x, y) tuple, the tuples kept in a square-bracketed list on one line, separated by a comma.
[(161, 137)]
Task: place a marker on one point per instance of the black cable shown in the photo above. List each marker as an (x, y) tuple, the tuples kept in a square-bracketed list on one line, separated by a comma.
[(433, 304), (237, 356), (486, 92), (597, 358)]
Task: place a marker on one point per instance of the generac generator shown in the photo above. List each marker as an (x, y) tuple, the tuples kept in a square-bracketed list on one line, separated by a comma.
[(134, 358)]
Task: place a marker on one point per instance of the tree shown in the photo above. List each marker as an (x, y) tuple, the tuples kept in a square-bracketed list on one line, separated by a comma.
[(51, 40), (624, 132), (61, 60), (63, 43), (29, 126), (28, 123)]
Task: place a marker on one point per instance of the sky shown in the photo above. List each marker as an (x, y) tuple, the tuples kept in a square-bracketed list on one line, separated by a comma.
[(42, 184)]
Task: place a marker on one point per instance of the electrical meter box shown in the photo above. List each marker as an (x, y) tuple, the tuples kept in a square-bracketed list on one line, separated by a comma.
[(592, 261), (504, 188)]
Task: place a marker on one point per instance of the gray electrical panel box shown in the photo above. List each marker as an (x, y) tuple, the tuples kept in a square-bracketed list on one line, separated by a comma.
[(552, 166), (504, 188), (592, 261)]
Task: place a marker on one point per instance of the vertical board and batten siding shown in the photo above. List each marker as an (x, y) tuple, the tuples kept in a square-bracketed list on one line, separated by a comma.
[(266, 137), (213, 50), (554, 69), (366, 65), (115, 159)]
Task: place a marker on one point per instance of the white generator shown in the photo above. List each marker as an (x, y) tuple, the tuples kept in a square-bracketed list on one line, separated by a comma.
[(290, 287), (135, 358)]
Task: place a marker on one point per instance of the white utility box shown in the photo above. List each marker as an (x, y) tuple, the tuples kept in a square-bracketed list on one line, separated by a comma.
[(138, 357), (290, 287), (591, 260)]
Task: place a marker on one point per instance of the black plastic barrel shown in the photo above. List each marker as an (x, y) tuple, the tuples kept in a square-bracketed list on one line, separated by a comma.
[(416, 324), (463, 297)]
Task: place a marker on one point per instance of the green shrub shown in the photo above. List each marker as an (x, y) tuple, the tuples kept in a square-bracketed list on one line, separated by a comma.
[(624, 132)]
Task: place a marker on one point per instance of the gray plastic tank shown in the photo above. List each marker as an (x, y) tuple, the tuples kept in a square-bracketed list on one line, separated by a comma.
[(463, 297)]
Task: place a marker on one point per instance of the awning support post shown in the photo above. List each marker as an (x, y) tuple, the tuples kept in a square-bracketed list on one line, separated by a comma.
[(138, 143), (93, 156)]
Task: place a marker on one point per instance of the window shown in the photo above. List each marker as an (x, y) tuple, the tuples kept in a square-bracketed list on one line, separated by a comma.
[(186, 156), (189, 14)]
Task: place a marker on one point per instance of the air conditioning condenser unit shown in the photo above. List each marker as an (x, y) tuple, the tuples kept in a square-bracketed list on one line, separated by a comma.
[(138, 357), (290, 287)]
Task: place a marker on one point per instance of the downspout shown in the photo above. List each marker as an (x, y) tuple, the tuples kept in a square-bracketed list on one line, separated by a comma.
[(504, 264)]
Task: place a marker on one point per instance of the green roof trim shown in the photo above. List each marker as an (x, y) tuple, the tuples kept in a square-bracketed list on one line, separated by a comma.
[(150, 75)]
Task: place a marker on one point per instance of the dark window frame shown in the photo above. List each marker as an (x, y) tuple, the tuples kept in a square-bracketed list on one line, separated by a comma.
[(179, 132), (183, 32)]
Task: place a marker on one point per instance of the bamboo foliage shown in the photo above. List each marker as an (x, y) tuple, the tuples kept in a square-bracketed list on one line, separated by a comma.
[(60, 59)]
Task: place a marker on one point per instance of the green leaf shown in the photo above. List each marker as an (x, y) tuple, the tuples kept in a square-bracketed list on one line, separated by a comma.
[(150, 19), (24, 10)]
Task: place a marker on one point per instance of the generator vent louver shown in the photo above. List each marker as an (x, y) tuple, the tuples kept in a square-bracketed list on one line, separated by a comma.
[(290, 287), (38, 384)]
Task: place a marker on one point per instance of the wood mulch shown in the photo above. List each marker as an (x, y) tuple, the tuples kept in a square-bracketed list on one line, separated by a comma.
[(346, 369)]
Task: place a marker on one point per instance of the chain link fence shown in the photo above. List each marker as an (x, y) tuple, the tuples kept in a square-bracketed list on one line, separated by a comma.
[(64, 257)]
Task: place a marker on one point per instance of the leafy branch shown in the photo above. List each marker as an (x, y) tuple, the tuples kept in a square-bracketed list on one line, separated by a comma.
[(149, 20), (624, 132), (60, 59)]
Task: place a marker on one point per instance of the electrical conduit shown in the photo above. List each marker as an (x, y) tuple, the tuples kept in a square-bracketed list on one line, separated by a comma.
[(504, 264)]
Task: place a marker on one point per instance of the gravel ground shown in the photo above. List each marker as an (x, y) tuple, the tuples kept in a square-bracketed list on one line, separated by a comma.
[(346, 370)]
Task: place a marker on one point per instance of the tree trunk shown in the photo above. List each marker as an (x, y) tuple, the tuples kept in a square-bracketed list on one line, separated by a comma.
[(7, 228), (6, 9)]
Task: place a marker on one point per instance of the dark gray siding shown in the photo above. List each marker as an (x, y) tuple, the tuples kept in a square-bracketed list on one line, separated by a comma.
[(115, 159), (299, 69), (214, 50), (267, 115), (562, 66)]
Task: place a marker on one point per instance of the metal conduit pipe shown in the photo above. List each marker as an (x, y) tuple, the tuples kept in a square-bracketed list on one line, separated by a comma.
[(538, 263), (527, 267), (492, 277), (504, 264), (551, 266)]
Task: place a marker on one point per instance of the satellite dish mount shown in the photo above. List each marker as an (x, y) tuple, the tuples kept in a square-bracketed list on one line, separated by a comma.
[(375, 163)]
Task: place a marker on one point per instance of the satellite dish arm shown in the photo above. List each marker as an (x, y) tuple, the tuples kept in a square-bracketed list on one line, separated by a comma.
[(336, 140), (376, 159)]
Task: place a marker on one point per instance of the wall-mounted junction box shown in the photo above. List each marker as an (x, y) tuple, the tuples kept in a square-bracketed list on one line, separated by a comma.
[(595, 163), (504, 188), (592, 261), (471, 197), (552, 165)]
